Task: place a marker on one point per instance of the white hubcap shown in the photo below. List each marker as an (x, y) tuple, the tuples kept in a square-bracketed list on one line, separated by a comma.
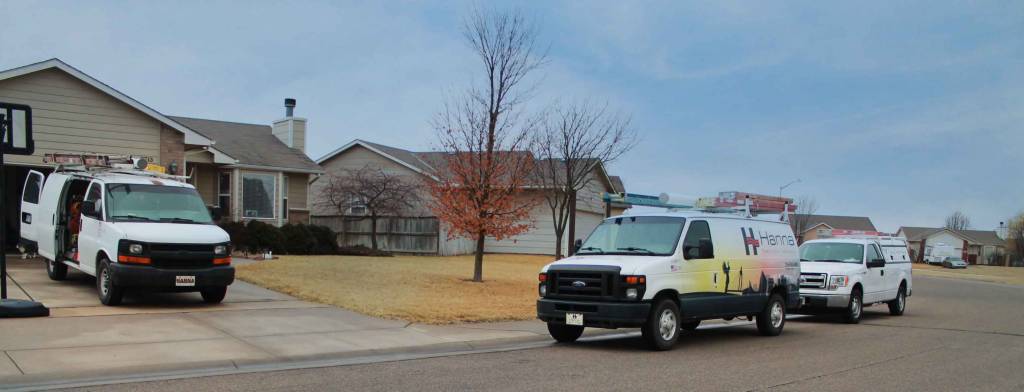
[(104, 282), (777, 314), (668, 325)]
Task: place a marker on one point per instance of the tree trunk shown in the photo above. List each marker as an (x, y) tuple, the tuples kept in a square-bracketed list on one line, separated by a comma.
[(373, 231), (478, 261), (558, 245)]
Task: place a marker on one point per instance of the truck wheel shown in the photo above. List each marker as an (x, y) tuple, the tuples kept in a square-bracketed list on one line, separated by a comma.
[(662, 328), (771, 320), (110, 294), (213, 295), (56, 270), (690, 325), (898, 305), (565, 333), (854, 308)]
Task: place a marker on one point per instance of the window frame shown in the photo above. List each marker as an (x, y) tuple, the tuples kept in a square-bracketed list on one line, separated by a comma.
[(102, 200), (687, 234), (38, 181), (272, 196), (284, 196)]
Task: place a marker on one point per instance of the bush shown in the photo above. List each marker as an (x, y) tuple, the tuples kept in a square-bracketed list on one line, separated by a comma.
[(326, 239), (239, 236), (295, 239), (264, 237), (298, 240)]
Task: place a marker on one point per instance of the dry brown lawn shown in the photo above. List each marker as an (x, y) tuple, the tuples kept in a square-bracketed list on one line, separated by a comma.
[(423, 289), (987, 273)]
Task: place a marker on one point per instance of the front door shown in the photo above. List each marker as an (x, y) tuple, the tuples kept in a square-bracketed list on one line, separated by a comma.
[(29, 207), (874, 280), (91, 226)]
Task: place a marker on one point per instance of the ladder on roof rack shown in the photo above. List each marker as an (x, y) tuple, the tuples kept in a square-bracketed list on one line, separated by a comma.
[(121, 164), (746, 204)]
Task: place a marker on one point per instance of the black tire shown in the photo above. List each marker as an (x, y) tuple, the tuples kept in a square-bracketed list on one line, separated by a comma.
[(565, 333), (772, 319), (56, 270), (899, 305), (662, 328), (109, 293), (214, 295), (690, 325), (855, 308)]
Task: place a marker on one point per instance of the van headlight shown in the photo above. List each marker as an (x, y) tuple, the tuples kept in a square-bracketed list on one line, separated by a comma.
[(631, 293), (220, 250), (837, 281), (543, 289), (135, 249)]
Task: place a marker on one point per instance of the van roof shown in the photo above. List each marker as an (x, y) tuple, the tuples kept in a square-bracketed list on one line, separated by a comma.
[(127, 177), (767, 218)]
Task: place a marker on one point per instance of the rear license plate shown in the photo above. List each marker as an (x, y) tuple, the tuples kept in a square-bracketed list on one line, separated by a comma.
[(574, 318), (184, 281)]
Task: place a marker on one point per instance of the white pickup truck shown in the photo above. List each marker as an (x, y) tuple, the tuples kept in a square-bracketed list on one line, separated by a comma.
[(132, 229), (846, 274)]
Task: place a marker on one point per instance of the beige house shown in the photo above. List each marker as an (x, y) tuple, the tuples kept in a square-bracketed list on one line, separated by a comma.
[(75, 113), (419, 166), (975, 246), (811, 226)]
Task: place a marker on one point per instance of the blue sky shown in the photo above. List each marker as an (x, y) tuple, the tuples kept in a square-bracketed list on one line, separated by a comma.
[(902, 113)]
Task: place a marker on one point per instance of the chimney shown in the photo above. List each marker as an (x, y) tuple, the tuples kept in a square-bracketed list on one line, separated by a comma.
[(291, 130)]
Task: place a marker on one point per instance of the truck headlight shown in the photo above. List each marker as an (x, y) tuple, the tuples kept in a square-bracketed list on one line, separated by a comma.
[(837, 281), (135, 249), (543, 289), (220, 250), (631, 293)]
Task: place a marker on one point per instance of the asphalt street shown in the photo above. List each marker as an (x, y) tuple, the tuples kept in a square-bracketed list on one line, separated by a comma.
[(957, 335)]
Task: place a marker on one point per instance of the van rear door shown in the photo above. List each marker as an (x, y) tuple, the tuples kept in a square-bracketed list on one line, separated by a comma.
[(29, 206), (45, 216)]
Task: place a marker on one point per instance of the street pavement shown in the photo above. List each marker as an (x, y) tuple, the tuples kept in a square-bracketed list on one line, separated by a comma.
[(957, 335)]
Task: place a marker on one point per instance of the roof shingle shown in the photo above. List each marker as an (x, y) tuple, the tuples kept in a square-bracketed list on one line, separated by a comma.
[(250, 144)]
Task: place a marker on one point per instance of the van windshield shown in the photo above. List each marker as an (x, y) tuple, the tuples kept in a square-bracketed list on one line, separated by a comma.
[(835, 252), (635, 235), (155, 203)]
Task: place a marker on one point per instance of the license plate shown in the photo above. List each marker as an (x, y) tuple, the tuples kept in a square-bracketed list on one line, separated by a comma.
[(574, 318), (184, 281)]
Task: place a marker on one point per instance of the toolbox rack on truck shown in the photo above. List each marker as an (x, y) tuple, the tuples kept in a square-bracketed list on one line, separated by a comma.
[(115, 164)]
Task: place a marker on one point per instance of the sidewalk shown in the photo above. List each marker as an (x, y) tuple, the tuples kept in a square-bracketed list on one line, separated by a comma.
[(168, 332)]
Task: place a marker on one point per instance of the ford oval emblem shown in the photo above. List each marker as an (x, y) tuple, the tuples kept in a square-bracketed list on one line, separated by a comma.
[(579, 284)]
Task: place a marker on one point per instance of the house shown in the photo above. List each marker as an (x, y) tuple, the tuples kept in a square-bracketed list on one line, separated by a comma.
[(976, 246), (249, 171), (420, 166), (808, 226)]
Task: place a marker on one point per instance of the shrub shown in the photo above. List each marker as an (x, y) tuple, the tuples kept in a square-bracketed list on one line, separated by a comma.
[(239, 236), (326, 239), (263, 237), (298, 240)]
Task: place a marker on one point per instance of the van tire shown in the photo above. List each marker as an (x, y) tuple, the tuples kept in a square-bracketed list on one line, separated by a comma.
[(662, 328), (898, 305), (855, 308), (56, 270), (565, 333), (690, 325), (772, 319), (214, 295), (109, 293)]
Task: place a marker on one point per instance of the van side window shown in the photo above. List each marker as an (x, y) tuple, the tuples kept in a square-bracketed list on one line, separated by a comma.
[(95, 194), (698, 231), (31, 191)]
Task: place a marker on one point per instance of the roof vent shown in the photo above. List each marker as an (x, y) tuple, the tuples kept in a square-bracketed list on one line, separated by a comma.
[(289, 107)]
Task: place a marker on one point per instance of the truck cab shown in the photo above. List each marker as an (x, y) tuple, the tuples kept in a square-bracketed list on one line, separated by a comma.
[(666, 272), (131, 229), (846, 274)]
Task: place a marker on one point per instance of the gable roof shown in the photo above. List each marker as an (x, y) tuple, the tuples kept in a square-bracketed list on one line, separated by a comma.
[(617, 185), (252, 145), (980, 237), (832, 221), (191, 136)]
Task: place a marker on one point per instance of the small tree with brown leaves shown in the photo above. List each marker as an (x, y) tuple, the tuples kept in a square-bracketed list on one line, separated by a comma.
[(379, 192), (958, 221), (478, 192), (1015, 236)]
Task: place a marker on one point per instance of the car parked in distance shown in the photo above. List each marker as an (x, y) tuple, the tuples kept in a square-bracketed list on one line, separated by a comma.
[(954, 263)]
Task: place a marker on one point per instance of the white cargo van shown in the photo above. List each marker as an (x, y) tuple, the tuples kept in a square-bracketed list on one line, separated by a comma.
[(846, 274), (132, 229), (935, 254), (665, 272)]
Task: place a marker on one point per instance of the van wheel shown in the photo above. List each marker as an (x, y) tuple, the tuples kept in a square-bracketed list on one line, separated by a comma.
[(771, 320), (213, 295), (110, 294), (56, 270), (898, 305), (690, 325), (565, 333), (855, 308), (662, 328)]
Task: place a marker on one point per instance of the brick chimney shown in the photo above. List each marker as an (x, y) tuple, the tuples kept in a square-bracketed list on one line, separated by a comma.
[(291, 130)]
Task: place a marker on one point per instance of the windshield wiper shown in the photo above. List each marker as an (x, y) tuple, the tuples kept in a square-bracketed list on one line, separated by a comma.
[(177, 220), (593, 248), (131, 217), (829, 261), (635, 249)]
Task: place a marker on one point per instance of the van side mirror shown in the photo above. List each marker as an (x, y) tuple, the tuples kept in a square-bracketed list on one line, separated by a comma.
[(706, 250), (876, 263), (576, 245)]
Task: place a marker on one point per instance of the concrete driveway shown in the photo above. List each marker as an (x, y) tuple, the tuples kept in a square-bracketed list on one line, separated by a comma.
[(177, 331)]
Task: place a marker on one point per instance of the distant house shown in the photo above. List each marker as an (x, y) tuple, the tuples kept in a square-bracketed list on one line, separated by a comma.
[(421, 166), (808, 227), (976, 246)]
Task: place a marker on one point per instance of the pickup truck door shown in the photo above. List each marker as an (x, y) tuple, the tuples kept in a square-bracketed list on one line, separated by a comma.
[(89, 235), (874, 280), (29, 206)]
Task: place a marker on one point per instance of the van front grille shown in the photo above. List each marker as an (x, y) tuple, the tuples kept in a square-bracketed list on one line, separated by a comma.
[(583, 283)]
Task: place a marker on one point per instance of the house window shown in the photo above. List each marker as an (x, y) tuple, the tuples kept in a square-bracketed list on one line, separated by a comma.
[(284, 197), (224, 191), (258, 192)]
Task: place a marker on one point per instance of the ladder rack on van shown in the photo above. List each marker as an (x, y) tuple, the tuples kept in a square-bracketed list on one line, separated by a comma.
[(745, 204), (115, 164)]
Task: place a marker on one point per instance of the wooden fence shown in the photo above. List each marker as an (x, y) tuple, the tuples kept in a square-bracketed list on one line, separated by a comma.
[(395, 234)]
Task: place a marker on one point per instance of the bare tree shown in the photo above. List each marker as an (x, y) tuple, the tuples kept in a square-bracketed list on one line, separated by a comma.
[(806, 206), (380, 192), (1015, 234), (573, 142), (479, 193), (958, 221)]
